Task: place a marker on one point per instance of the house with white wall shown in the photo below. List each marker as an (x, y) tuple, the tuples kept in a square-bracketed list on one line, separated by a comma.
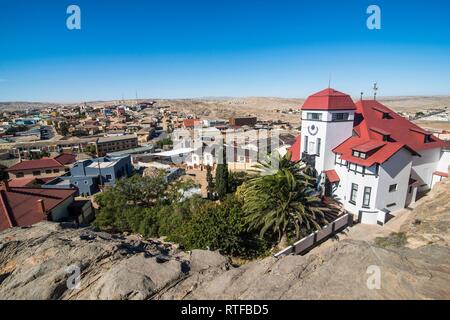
[(369, 158)]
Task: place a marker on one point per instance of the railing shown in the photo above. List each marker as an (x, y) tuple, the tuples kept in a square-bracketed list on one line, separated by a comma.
[(314, 239)]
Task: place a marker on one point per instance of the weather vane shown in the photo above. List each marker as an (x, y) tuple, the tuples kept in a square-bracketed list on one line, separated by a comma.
[(375, 89)]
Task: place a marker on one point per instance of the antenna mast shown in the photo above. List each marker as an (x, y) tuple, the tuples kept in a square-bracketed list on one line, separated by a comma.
[(375, 89)]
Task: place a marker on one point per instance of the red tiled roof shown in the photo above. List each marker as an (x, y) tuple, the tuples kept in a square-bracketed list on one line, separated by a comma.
[(332, 176), (19, 206), (22, 182), (369, 146), (380, 156), (296, 149), (191, 122), (66, 158), (380, 131), (441, 174), (43, 163), (368, 121), (329, 99)]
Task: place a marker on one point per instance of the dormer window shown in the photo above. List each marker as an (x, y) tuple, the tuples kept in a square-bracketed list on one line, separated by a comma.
[(359, 154), (386, 115), (428, 138)]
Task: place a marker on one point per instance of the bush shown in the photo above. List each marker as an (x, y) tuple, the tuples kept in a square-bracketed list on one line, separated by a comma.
[(393, 240), (219, 226), (134, 205)]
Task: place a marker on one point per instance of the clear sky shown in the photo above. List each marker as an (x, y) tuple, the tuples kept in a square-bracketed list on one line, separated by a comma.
[(194, 48)]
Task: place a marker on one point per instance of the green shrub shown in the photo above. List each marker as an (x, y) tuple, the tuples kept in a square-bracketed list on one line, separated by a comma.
[(393, 240)]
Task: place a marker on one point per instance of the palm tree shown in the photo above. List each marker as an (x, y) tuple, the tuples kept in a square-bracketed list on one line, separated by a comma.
[(282, 201)]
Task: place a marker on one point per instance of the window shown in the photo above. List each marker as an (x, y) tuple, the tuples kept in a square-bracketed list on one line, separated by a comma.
[(108, 177), (75, 183), (353, 193), (340, 116), (19, 175), (36, 173), (55, 170), (319, 142), (85, 182), (313, 116), (366, 199), (358, 154), (48, 171), (306, 144), (428, 139), (393, 188)]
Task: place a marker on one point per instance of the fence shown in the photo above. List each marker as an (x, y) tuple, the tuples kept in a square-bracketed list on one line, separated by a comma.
[(314, 239)]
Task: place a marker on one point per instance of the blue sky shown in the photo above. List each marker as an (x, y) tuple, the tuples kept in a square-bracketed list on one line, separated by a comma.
[(194, 48)]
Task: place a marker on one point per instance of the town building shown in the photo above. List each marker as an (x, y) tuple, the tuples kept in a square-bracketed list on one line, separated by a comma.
[(91, 175), (369, 158), (191, 123), (243, 121), (42, 168), (25, 206), (106, 145)]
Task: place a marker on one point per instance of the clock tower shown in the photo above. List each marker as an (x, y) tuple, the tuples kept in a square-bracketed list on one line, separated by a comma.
[(327, 121)]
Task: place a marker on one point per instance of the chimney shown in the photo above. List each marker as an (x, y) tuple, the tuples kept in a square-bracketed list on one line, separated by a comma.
[(41, 206)]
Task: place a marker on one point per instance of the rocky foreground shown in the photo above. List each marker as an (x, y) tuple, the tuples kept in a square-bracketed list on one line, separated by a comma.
[(33, 265)]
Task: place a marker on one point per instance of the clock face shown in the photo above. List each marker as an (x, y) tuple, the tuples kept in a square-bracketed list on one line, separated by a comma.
[(313, 129)]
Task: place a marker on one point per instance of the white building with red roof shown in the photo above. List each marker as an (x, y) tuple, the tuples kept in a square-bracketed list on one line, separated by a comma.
[(369, 158)]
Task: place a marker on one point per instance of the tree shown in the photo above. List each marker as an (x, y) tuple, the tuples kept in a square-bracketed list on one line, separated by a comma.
[(221, 183), (282, 202), (91, 149), (16, 129), (64, 128), (236, 179), (3, 173), (219, 226), (210, 182), (164, 142)]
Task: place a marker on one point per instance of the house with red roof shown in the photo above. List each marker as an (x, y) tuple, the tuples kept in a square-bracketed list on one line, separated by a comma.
[(42, 168), (191, 123), (368, 157), (25, 206)]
